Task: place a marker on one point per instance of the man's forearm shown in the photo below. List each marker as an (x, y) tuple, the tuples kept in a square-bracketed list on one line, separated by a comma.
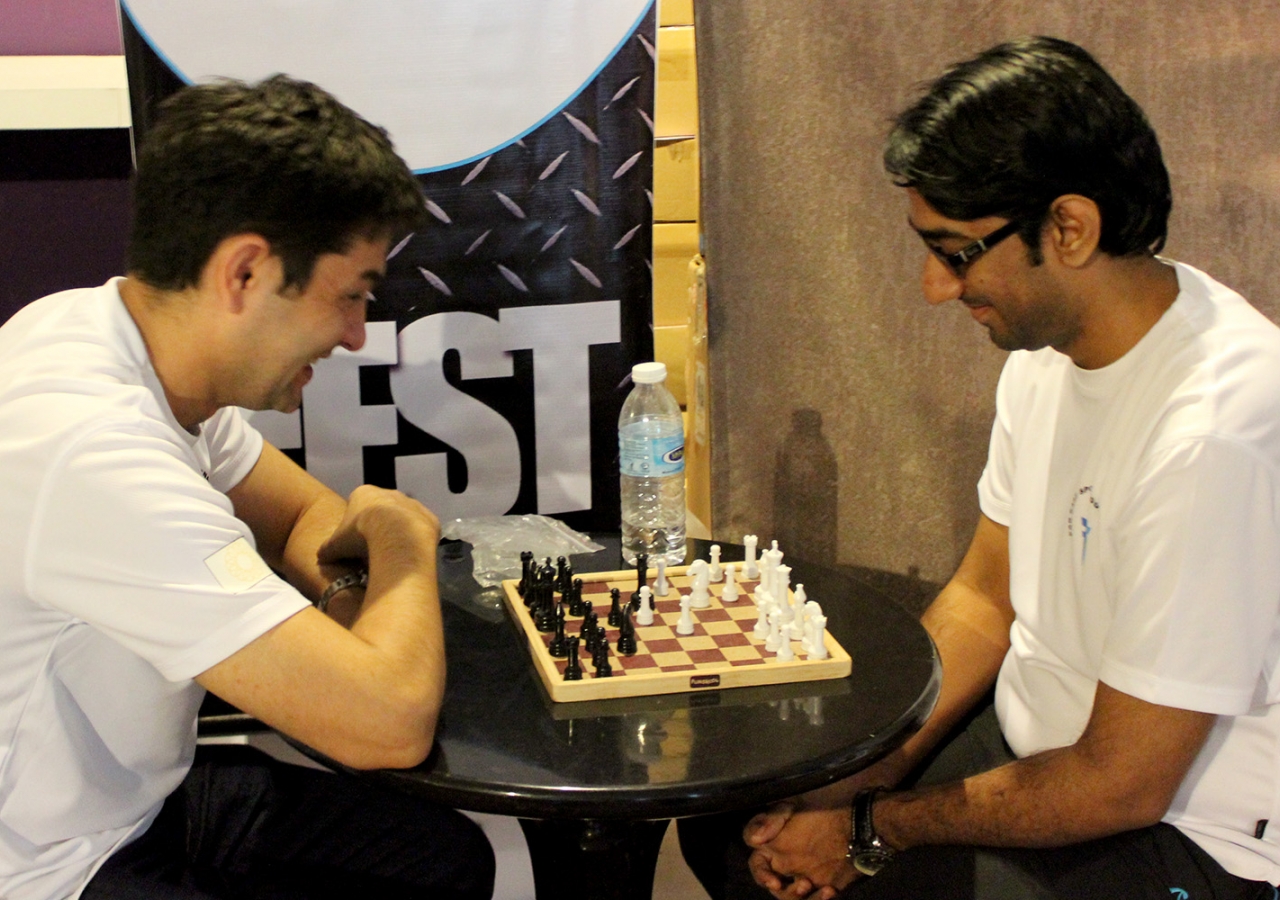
[(1121, 774)]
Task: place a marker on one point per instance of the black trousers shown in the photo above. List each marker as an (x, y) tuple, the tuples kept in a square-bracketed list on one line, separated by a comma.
[(243, 825), (1159, 862)]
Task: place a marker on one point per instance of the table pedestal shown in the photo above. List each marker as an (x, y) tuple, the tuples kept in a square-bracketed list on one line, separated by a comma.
[(609, 860)]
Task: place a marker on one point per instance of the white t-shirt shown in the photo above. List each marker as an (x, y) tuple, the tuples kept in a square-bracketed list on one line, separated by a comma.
[(1143, 506), (123, 574)]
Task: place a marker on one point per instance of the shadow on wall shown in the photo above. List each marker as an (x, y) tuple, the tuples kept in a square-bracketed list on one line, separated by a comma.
[(805, 491)]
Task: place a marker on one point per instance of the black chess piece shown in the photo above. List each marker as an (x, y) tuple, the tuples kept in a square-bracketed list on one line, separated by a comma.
[(589, 629), (642, 570), (600, 659), (576, 606), (526, 563), (573, 671), (559, 644), (626, 635), (562, 585), (615, 610), (544, 617)]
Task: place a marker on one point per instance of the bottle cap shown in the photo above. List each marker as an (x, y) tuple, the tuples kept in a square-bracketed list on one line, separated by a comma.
[(649, 372)]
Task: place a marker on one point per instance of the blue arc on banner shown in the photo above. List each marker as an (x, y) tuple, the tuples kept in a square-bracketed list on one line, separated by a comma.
[(469, 76)]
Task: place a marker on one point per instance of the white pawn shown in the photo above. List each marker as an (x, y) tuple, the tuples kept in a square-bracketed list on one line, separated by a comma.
[(774, 640), (644, 615), (715, 572), (785, 653), (750, 570), (730, 592), (701, 596), (762, 624), (660, 588), (685, 625)]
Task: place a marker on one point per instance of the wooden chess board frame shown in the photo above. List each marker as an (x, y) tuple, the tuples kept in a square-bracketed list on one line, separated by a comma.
[(714, 657)]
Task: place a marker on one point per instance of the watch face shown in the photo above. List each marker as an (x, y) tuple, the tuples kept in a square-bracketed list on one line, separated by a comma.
[(869, 862)]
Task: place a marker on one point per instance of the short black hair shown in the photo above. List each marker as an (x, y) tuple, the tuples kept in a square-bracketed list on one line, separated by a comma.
[(281, 158), (1023, 123)]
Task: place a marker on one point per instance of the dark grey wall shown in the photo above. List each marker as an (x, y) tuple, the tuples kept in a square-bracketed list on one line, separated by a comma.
[(813, 277)]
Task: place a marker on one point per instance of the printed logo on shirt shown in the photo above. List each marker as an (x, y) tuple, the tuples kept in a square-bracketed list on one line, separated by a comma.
[(1082, 519), (237, 566)]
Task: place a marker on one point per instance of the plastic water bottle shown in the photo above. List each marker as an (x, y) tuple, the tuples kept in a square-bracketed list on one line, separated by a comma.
[(651, 463)]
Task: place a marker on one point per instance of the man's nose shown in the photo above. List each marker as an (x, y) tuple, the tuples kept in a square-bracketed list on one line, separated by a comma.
[(938, 282), (353, 336)]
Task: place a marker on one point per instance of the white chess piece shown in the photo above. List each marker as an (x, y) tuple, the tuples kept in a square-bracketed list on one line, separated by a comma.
[(774, 555), (750, 570), (685, 625), (774, 640), (785, 653), (730, 592), (644, 615), (799, 630), (762, 621), (818, 639), (660, 588), (765, 574), (701, 595), (782, 596), (715, 572)]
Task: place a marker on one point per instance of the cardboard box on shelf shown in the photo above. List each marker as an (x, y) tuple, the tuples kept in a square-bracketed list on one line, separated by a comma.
[(674, 244), (675, 180), (676, 100), (675, 12), (670, 346)]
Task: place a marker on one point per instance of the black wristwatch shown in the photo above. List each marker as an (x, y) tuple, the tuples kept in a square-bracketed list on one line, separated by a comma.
[(868, 852)]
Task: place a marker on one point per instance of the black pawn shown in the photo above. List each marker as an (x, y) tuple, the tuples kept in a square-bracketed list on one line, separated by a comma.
[(626, 635), (559, 646), (544, 619), (573, 671), (562, 584), (601, 658), (615, 609), (576, 606)]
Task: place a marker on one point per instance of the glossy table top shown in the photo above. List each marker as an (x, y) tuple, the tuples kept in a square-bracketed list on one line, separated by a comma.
[(503, 746)]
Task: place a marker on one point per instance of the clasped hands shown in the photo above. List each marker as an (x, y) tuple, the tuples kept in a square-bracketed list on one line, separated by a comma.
[(800, 846)]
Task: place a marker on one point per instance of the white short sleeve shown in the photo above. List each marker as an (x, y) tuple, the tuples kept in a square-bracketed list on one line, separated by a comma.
[(128, 537)]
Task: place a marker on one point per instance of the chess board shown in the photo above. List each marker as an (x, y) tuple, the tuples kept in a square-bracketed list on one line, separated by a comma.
[(723, 651)]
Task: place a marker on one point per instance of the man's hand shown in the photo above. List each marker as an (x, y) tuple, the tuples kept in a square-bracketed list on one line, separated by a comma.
[(385, 523), (800, 845)]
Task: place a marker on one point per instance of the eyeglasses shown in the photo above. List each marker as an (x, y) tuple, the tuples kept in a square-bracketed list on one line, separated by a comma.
[(960, 261)]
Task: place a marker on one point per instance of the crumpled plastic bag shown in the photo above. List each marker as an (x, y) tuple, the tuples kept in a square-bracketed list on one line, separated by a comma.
[(497, 542)]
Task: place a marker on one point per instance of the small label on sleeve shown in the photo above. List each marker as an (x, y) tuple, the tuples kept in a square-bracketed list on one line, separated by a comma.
[(237, 566)]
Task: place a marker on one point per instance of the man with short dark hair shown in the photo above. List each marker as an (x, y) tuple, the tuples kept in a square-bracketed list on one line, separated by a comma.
[(144, 518), (1122, 592)]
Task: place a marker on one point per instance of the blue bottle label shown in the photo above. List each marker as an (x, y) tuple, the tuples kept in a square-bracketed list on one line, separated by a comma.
[(644, 456)]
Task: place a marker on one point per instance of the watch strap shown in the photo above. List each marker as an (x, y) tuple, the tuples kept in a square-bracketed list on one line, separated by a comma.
[(341, 583)]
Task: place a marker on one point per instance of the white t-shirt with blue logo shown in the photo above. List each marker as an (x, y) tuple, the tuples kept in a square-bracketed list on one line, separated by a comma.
[(1143, 506)]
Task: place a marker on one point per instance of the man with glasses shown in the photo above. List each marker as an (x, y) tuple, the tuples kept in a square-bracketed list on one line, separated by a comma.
[(1122, 590)]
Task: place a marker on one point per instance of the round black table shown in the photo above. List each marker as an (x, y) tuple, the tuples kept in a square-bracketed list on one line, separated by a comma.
[(595, 782)]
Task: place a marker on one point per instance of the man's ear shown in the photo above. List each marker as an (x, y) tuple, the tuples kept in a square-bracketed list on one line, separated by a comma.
[(239, 266), (1075, 227)]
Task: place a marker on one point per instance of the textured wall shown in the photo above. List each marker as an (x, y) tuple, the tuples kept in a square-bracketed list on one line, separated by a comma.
[(813, 275)]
